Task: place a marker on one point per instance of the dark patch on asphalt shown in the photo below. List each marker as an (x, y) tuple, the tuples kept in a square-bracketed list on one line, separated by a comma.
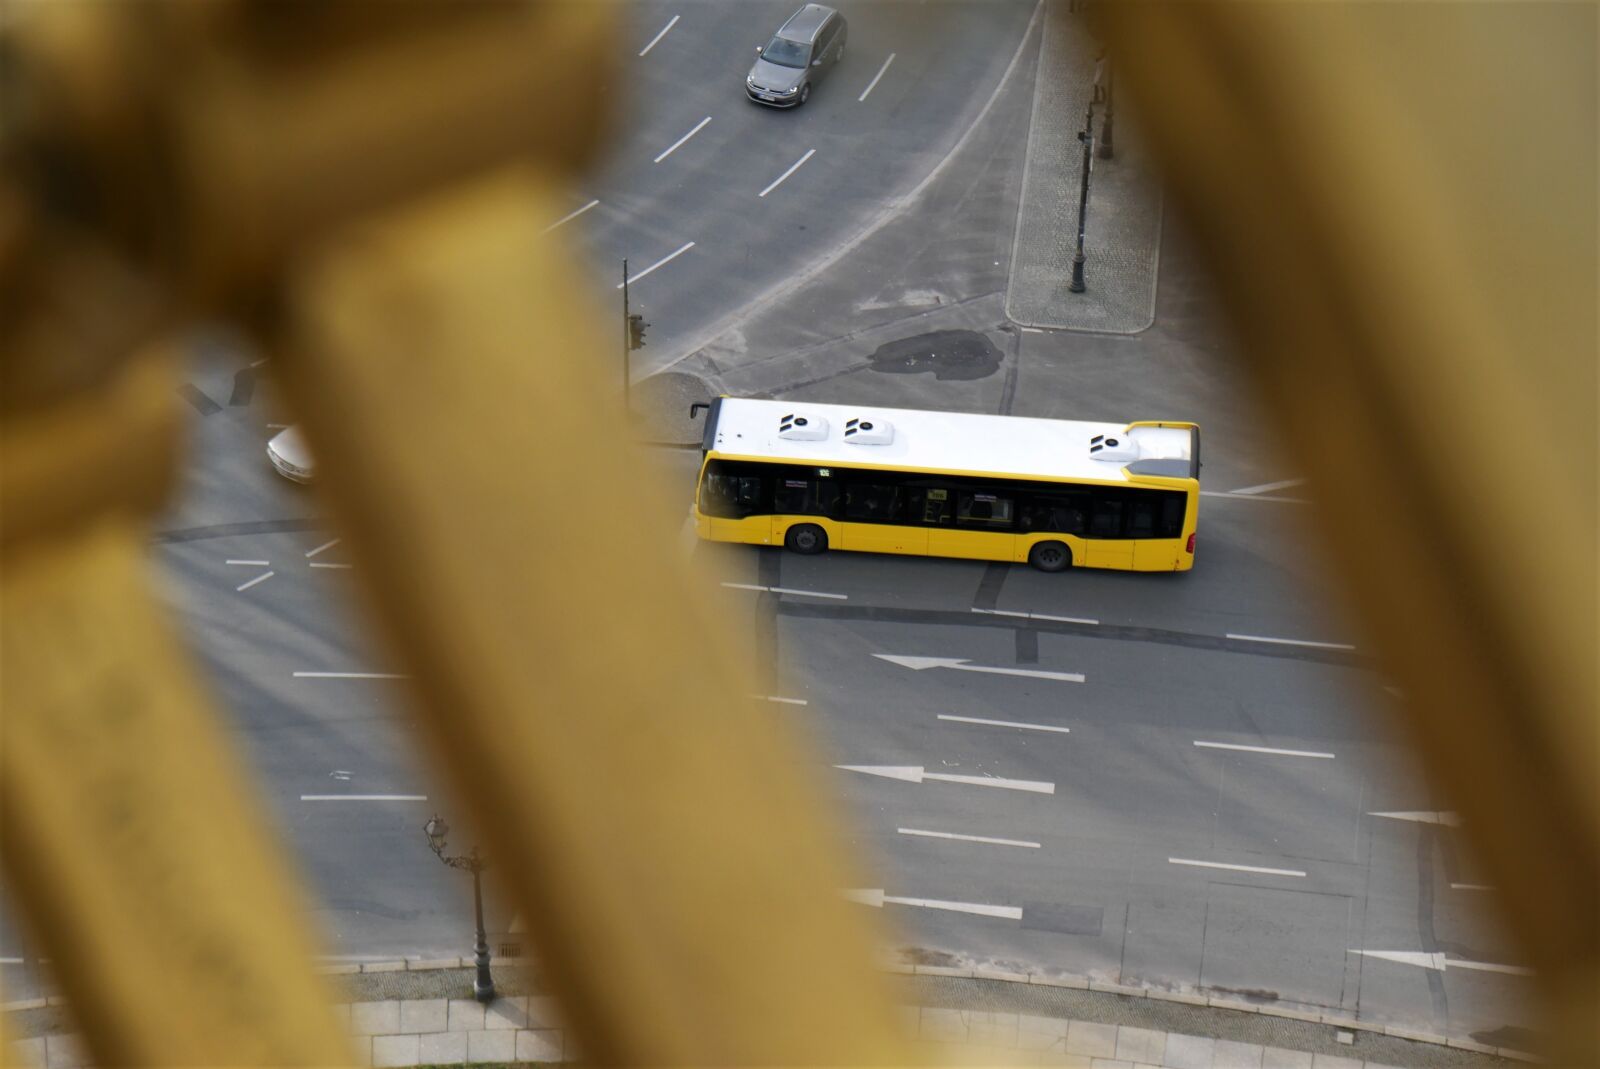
[(1510, 1036), (994, 577), (1253, 994), (958, 355), (1067, 920), (244, 387), (1027, 646), (202, 404), (229, 530), (923, 956), (764, 623), (1109, 632)]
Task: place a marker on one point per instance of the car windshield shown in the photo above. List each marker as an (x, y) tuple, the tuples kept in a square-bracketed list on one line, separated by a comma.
[(786, 53)]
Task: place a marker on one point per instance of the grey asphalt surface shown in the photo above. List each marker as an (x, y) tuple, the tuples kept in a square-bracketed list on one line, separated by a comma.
[(1099, 894)]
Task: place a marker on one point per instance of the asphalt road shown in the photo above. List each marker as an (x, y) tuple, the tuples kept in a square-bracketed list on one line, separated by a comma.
[(1196, 813)]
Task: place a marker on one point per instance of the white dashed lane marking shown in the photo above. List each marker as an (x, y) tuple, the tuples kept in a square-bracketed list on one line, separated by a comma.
[(678, 143), (319, 549), (1003, 723), (874, 83), (967, 838), (667, 259), (778, 181), (569, 217), (262, 578), (657, 38), (787, 590), (1292, 642), (1234, 868), (1262, 749)]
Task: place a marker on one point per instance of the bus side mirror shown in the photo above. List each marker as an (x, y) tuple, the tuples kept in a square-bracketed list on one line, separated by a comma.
[(694, 409)]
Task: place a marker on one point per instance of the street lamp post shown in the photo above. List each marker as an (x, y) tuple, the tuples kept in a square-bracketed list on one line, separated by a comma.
[(1086, 135), (1104, 151), (436, 830)]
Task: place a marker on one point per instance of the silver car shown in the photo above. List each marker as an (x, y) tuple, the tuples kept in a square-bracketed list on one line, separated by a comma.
[(290, 455), (804, 49)]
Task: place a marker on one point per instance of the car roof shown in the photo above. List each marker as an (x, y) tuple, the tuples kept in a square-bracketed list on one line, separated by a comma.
[(804, 24)]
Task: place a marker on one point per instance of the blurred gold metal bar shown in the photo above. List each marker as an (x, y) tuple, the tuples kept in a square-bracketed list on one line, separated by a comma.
[(664, 837), (1398, 204)]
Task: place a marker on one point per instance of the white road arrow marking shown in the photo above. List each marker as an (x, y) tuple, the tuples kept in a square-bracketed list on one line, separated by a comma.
[(916, 774), (1452, 820), (917, 664), (877, 899), (1440, 963)]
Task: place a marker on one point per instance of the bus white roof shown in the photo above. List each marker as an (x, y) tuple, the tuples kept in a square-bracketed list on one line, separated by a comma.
[(943, 441)]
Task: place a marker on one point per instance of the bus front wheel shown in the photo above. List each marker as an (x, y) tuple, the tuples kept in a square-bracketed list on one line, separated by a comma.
[(806, 538), (1050, 557)]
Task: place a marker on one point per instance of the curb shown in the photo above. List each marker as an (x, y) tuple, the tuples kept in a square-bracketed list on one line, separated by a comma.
[(1030, 979)]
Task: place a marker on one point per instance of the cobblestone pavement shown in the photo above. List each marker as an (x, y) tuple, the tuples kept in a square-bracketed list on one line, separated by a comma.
[(1122, 237)]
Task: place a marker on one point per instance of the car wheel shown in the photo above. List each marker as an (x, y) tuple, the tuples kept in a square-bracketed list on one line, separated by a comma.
[(1050, 557), (806, 538), (805, 92)]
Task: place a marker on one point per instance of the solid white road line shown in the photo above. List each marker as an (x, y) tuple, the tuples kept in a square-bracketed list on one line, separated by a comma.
[(1292, 642), (320, 564), (258, 363), (967, 838), (1234, 868), (654, 40), (778, 181), (349, 675), (326, 545), (877, 899), (1037, 616), (569, 217), (917, 664), (363, 798), (1033, 330), (1267, 488), (873, 84), (697, 128), (1451, 820), (780, 701), (787, 590), (917, 774), (1255, 497), (257, 563), (1262, 749), (262, 578), (1470, 887), (10, 961), (661, 262), (1004, 723)]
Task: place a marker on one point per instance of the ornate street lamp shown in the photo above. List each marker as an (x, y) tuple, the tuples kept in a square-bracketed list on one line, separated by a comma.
[(436, 830)]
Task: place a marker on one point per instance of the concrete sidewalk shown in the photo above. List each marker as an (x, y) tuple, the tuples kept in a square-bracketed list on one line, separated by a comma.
[(1122, 235), (418, 1013)]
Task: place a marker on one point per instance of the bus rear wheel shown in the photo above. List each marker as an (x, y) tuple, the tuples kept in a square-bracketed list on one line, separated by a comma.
[(1050, 557), (806, 538)]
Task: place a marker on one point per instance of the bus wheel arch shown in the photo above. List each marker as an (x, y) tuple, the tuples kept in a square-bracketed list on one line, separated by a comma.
[(806, 538), (1050, 556)]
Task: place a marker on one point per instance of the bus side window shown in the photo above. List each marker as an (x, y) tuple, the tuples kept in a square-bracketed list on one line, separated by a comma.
[(1172, 506), (872, 502), (796, 496), (936, 507), (1106, 519), (729, 494), (984, 510), (1142, 517)]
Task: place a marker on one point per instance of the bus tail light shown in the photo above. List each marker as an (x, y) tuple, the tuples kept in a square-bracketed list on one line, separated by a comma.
[(1190, 547)]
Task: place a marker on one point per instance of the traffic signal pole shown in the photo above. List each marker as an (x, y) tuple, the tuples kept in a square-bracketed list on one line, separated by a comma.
[(627, 346)]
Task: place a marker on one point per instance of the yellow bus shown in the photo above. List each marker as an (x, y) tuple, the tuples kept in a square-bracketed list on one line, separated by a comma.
[(1054, 493)]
